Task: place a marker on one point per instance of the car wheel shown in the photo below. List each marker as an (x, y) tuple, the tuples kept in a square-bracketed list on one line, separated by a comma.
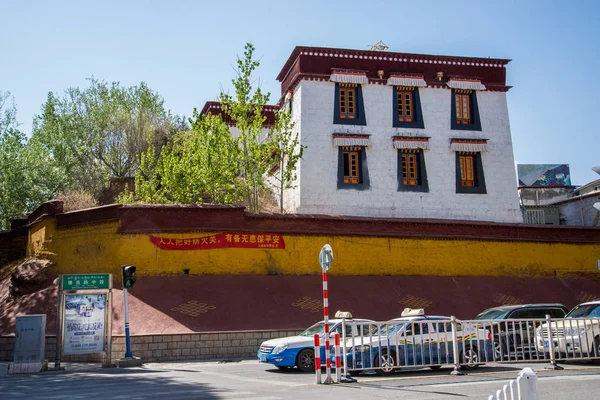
[(470, 357), (596, 350), (387, 363), (500, 350), (435, 367), (306, 360)]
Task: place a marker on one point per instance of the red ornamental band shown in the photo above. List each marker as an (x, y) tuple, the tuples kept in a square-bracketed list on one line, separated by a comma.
[(222, 240)]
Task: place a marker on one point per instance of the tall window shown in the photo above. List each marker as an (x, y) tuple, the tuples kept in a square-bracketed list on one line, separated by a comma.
[(350, 156), (347, 102), (407, 108), (465, 113), (469, 173), (405, 105), (352, 168), (412, 175), (348, 105), (467, 170), (463, 108), (409, 169)]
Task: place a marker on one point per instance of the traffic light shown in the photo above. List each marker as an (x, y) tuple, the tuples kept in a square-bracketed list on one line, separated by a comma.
[(128, 272)]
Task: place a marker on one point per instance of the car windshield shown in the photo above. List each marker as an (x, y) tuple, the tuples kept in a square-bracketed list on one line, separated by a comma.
[(391, 327), (494, 313), (589, 310), (318, 328)]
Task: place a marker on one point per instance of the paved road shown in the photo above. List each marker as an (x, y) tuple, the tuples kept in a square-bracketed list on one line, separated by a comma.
[(250, 380)]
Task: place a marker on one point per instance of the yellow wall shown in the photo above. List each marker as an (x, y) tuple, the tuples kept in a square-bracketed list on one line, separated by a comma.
[(99, 248)]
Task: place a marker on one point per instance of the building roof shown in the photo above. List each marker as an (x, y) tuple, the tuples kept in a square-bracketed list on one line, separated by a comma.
[(319, 61), (589, 188), (214, 107)]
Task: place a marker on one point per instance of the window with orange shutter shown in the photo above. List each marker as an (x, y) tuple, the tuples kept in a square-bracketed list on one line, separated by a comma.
[(351, 161), (409, 169), (469, 173), (463, 108), (347, 102), (412, 174), (405, 105)]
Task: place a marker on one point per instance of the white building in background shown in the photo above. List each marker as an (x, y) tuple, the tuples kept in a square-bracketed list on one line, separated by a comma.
[(401, 135), (548, 197)]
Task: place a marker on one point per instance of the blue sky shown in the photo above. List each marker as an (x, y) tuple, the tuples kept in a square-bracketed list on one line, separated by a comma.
[(185, 50)]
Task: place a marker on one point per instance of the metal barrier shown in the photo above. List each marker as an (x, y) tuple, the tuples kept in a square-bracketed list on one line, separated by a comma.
[(432, 342), (547, 339), (522, 388), (513, 340), (388, 346)]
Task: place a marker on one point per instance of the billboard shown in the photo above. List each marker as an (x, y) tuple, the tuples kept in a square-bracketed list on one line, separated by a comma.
[(84, 323), (544, 175)]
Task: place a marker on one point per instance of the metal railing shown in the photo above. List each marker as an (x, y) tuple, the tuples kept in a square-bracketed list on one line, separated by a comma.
[(534, 217), (388, 346), (385, 347)]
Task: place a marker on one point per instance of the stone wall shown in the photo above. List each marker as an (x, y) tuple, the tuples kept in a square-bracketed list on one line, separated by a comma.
[(157, 348)]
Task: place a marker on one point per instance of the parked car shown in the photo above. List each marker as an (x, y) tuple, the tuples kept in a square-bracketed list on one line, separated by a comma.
[(578, 335), (417, 341), (513, 338), (298, 350)]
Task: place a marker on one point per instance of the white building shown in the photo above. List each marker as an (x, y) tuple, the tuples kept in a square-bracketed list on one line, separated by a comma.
[(401, 135)]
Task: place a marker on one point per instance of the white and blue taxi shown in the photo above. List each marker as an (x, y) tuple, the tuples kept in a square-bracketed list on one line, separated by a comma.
[(298, 351), (416, 340)]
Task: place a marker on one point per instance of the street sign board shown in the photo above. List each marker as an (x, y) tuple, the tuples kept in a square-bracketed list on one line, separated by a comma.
[(85, 281), (326, 257)]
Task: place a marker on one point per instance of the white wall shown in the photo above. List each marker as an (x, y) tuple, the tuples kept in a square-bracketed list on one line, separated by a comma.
[(291, 197), (235, 132), (319, 193)]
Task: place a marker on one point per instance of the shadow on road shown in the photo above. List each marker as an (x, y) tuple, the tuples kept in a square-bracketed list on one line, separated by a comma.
[(105, 383)]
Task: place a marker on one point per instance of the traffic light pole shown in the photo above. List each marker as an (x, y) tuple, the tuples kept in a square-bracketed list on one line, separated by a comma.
[(128, 353)]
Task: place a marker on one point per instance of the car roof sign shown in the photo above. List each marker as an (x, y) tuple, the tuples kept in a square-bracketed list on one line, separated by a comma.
[(412, 312)]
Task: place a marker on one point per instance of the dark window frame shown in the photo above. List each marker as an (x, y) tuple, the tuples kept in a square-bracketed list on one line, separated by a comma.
[(478, 173), (475, 124), (417, 122), (422, 182), (363, 170), (359, 105)]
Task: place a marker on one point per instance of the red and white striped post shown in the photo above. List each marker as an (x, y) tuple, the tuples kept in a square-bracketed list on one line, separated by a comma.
[(338, 359), (326, 258), (318, 358)]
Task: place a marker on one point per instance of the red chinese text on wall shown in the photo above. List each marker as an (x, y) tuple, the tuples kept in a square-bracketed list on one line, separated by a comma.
[(222, 240)]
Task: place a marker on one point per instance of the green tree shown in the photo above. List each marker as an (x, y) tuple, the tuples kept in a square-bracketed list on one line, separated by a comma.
[(246, 110), (100, 131), (208, 163), (200, 164), (28, 176), (287, 152)]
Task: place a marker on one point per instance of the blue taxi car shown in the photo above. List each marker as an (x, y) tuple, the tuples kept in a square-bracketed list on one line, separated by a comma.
[(417, 341), (298, 351)]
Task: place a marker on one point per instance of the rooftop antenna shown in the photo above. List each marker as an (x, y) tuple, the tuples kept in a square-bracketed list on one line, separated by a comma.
[(379, 46)]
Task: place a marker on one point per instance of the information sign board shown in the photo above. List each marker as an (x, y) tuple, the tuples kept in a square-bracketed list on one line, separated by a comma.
[(85, 281)]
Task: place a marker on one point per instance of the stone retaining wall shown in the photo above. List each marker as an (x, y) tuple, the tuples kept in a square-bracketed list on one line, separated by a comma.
[(180, 347)]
